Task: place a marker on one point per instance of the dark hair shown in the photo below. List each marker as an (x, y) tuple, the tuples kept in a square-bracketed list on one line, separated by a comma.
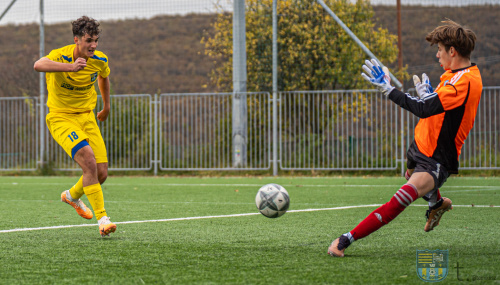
[(454, 35), (85, 25)]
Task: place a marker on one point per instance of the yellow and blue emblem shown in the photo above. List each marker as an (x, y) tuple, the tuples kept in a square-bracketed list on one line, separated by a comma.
[(93, 76), (432, 265)]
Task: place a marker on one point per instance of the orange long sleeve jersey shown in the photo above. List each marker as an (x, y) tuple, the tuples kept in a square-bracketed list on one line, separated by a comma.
[(446, 116)]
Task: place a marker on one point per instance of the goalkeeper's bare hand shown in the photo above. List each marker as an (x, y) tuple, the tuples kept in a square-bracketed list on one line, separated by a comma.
[(377, 76), (424, 87)]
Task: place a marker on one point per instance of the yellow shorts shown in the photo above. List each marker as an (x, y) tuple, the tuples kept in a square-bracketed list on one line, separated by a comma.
[(74, 131)]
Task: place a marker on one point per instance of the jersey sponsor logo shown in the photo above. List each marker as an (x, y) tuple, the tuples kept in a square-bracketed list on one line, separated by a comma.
[(93, 76), (71, 87), (67, 86)]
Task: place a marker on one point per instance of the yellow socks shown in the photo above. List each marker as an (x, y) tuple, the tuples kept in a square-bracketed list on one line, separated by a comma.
[(96, 199), (77, 190)]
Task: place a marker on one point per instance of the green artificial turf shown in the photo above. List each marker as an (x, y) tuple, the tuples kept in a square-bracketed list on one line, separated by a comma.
[(216, 246)]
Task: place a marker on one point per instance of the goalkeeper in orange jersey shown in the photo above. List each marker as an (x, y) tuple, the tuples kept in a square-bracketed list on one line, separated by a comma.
[(446, 117), (71, 73)]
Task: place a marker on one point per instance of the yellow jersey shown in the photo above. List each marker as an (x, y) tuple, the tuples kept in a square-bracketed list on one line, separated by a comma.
[(74, 92)]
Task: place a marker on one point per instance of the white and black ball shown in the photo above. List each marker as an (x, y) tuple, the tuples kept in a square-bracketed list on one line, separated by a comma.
[(272, 200)]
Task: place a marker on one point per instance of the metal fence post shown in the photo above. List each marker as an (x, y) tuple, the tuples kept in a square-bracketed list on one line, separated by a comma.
[(240, 136), (42, 87), (155, 132), (402, 142), (275, 88)]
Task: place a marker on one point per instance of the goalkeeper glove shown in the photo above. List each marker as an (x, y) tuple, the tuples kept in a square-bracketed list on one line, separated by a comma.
[(423, 87), (378, 76)]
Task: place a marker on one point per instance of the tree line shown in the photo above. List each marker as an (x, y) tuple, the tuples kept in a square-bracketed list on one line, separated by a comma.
[(179, 54)]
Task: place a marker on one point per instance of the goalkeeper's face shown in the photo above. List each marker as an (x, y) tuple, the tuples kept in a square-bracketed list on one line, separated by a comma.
[(86, 45), (444, 56)]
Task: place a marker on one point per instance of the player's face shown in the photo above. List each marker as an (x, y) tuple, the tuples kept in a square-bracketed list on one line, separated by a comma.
[(86, 45), (444, 56)]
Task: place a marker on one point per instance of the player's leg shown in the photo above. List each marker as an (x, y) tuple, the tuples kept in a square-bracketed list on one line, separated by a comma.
[(102, 172), (69, 135), (98, 147), (92, 188), (433, 198), (101, 163), (72, 197), (418, 185), (77, 190), (437, 204)]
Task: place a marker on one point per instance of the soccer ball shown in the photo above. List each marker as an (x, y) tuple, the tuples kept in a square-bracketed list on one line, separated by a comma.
[(272, 200)]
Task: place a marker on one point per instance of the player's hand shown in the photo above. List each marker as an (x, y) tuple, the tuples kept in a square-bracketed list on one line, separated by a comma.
[(424, 87), (377, 76), (80, 63), (103, 114)]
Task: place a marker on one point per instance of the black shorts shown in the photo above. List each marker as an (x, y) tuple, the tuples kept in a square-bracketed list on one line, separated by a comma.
[(422, 163)]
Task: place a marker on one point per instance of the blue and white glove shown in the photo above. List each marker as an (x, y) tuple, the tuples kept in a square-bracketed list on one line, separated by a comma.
[(378, 76), (424, 87)]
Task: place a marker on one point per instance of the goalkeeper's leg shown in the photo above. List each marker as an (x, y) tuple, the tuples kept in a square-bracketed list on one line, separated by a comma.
[(437, 206), (419, 184)]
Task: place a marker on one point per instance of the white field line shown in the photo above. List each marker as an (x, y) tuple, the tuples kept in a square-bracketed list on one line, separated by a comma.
[(487, 188), (216, 217), (259, 177)]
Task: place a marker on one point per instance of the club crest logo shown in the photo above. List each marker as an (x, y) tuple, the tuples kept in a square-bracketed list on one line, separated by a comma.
[(93, 76), (432, 265)]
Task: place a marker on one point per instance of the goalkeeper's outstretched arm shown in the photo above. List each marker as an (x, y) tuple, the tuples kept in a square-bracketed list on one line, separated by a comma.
[(429, 106)]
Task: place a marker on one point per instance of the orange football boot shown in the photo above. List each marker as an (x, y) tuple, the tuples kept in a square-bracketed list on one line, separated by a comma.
[(106, 226), (78, 204)]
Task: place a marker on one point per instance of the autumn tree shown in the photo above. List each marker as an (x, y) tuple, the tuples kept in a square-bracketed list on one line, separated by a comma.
[(314, 52)]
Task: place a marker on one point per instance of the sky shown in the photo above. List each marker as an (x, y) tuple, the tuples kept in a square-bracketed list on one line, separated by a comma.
[(56, 11)]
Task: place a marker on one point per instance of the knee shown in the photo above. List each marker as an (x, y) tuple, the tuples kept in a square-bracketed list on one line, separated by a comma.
[(89, 166), (85, 158), (102, 176), (102, 172)]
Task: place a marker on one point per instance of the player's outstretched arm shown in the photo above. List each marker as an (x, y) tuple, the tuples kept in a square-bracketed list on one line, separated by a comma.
[(428, 105), (104, 87), (46, 65)]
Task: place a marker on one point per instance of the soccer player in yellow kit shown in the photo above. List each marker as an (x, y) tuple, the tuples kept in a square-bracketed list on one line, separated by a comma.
[(71, 73)]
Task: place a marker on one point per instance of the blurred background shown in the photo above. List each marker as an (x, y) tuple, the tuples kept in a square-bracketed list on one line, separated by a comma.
[(161, 48), (157, 46)]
